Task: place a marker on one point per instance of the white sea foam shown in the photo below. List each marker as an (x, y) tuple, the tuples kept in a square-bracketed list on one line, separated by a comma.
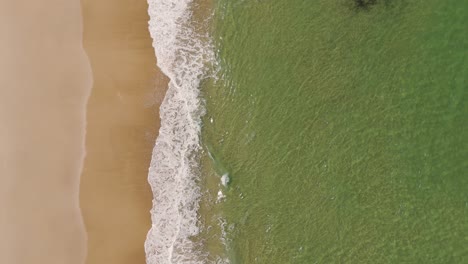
[(225, 179), (173, 174)]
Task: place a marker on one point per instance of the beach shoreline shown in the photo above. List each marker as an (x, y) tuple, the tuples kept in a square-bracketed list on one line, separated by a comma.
[(122, 125)]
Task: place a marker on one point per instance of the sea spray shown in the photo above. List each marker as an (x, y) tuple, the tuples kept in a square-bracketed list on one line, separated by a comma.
[(173, 173)]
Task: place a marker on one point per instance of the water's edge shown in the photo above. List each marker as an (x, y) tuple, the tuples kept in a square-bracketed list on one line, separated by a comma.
[(84, 115), (173, 171)]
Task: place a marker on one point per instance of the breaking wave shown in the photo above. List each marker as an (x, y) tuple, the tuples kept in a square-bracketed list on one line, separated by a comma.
[(182, 56)]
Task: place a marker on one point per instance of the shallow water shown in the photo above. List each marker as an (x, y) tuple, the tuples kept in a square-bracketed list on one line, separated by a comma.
[(342, 130)]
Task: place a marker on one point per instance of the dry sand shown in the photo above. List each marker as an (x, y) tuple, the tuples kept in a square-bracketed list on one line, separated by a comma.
[(44, 84), (123, 121)]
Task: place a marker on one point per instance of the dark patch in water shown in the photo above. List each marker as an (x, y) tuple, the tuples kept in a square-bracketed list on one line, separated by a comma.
[(366, 5)]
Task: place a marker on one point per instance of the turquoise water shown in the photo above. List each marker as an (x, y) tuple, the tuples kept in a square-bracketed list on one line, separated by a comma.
[(343, 131)]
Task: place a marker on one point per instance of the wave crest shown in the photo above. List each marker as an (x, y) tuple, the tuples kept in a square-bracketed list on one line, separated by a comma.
[(173, 172)]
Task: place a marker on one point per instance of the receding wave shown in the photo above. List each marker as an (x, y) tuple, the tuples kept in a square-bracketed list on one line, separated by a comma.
[(173, 173)]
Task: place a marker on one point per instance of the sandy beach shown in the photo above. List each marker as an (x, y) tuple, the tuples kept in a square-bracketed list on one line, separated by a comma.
[(79, 95), (122, 124), (44, 86)]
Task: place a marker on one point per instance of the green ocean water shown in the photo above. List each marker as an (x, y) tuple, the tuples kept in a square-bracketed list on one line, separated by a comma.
[(344, 131)]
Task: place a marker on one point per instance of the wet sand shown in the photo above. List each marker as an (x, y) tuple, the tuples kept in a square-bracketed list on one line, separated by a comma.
[(45, 82), (123, 121)]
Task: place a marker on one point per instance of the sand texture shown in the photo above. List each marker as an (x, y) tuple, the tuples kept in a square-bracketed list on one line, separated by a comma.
[(122, 125), (44, 85)]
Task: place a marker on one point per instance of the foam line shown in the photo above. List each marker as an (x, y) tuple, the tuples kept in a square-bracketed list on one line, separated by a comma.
[(173, 172)]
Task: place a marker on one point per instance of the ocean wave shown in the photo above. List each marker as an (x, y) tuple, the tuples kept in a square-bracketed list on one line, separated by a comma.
[(173, 173)]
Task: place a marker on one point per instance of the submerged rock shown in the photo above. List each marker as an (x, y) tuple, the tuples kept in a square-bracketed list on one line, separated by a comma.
[(364, 4)]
